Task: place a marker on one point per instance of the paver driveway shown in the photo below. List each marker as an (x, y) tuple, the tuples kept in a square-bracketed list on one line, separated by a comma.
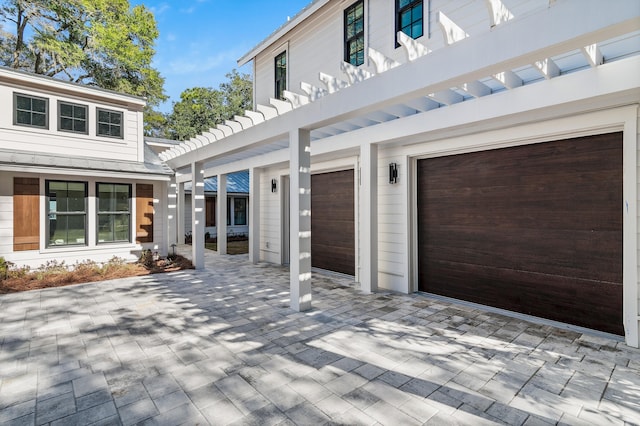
[(222, 346)]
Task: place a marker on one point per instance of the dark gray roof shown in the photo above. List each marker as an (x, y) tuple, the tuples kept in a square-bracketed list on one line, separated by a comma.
[(237, 183), (152, 164)]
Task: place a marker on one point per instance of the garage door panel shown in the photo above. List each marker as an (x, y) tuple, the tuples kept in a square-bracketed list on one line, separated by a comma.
[(542, 221), (550, 296), (528, 249), (332, 221)]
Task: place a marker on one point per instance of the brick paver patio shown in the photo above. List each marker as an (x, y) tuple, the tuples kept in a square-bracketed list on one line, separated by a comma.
[(221, 346)]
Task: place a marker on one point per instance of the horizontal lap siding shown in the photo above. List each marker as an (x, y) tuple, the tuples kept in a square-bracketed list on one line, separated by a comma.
[(536, 229), (270, 210), (332, 221)]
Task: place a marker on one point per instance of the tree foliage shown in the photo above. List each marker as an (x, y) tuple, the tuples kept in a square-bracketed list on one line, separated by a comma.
[(201, 108), (105, 43)]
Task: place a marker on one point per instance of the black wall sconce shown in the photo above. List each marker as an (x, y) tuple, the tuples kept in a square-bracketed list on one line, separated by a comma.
[(274, 184), (393, 173)]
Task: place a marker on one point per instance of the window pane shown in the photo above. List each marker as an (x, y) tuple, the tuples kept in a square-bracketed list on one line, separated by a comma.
[(121, 227), (57, 230), (122, 198), (416, 30), (23, 102), (76, 193), (103, 116), (80, 126), (66, 124), (39, 105), (116, 118), (103, 129), (105, 201), (115, 131), (39, 120), (416, 12), (79, 112), (23, 117), (66, 110), (403, 3), (105, 233), (240, 211), (405, 19), (75, 231)]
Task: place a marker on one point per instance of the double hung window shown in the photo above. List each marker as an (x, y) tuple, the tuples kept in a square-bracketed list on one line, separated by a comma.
[(410, 17), (114, 212), (281, 75), (354, 33), (67, 212)]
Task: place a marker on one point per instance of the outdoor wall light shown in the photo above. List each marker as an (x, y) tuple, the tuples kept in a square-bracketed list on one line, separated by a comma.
[(274, 185), (393, 173)]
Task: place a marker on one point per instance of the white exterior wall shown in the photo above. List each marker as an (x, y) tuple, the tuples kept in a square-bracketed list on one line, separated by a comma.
[(129, 251), (317, 44), (53, 141)]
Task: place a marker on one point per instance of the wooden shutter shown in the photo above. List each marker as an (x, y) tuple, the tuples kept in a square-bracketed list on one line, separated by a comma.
[(26, 214), (210, 210), (144, 213)]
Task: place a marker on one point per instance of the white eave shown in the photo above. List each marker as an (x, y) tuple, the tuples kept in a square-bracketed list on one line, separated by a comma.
[(308, 10), (41, 82)]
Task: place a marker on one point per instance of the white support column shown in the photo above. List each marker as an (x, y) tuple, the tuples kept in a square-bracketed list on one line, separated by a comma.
[(300, 219), (368, 263), (221, 214), (197, 215), (172, 214), (254, 215), (180, 211)]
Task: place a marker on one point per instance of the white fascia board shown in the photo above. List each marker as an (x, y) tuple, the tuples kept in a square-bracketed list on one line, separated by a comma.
[(282, 31), (40, 82), (79, 172), (401, 84)]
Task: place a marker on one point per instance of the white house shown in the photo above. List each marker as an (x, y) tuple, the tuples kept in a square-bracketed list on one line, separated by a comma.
[(237, 206), (76, 180), (481, 150)]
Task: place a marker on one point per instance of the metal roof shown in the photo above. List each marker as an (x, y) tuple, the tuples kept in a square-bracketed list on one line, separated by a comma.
[(151, 165), (237, 183)]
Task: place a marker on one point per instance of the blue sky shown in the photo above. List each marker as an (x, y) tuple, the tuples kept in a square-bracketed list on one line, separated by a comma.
[(201, 40)]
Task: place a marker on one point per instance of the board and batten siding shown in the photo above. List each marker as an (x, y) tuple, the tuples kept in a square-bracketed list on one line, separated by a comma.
[(53, 141), (317, 44)]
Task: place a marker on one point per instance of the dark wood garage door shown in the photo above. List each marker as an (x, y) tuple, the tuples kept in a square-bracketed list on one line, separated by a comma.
[(535, 229), (332, 222)]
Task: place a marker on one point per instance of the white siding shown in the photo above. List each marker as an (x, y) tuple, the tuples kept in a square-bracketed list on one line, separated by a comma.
[(70, 255), (53, 141), (316, 45), (270, 216)]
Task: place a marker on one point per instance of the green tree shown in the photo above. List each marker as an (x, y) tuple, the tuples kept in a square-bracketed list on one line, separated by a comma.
[(105, 43), (201, 108)]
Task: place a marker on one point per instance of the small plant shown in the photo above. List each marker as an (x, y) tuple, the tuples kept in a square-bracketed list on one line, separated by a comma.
[(146, 259), (5, 266)]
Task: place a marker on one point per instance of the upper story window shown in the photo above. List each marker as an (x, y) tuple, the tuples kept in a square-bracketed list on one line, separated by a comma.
[(281, 75), (409, 18), (354, 33), (30, 111), (109, 123), (72, 117)]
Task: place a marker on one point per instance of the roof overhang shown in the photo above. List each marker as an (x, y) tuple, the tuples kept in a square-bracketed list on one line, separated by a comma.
[(308, 10)]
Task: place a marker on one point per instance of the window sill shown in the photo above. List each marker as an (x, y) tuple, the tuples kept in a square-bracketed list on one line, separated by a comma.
[(99, 247)]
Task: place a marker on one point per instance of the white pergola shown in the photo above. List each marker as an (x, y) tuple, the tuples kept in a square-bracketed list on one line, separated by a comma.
[(481, 77)]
